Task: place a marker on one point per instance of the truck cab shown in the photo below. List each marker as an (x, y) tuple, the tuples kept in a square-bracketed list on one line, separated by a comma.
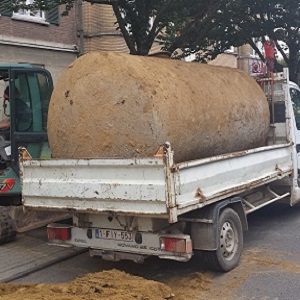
[(295, 97), (33, 87)]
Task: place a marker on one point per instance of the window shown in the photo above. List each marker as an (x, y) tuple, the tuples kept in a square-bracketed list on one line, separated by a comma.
[(37, 16), (295, 96), (230, 50), (259, 45), (32, 101), (30, 15)]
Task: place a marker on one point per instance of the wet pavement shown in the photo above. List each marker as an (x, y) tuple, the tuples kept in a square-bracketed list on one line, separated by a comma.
[(269, 268), (28, 253)]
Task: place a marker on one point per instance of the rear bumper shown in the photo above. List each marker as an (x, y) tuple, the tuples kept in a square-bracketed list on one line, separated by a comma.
[(118, 245)]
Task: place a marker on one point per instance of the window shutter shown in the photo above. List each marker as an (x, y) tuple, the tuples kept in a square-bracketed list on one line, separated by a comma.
[(52, 15), (4, 11)]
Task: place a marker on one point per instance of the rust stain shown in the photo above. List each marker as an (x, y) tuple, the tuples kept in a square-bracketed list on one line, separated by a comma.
[(201, 196), (159, 152), (248, 186)]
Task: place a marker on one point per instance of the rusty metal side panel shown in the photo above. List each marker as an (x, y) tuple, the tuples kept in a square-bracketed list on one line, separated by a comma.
[(134, 186), (210, 180), (142, 186)]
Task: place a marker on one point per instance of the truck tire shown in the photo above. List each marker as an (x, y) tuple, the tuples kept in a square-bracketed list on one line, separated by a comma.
[(7, 232), (230, 233)]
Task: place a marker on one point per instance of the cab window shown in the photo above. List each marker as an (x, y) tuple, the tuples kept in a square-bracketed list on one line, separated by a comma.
[(35, 92), (295, 96)]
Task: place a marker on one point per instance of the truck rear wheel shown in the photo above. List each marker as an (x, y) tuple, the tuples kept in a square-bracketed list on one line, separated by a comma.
[(7, 232), (230, 234)]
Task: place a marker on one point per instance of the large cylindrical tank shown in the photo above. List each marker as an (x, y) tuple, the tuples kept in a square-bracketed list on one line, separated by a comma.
[(120, 105)]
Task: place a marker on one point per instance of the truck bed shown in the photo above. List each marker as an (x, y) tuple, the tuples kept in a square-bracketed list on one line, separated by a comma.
[(149, 186)]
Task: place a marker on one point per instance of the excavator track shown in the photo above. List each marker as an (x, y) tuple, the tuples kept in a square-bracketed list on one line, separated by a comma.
[(7, 231), (16, 219)]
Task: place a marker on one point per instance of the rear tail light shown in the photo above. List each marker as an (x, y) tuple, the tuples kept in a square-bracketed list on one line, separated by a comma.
[(59, 232), (176, 245)]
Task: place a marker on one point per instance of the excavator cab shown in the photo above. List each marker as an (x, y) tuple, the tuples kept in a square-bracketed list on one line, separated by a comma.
[(25, 105), (26, 102)]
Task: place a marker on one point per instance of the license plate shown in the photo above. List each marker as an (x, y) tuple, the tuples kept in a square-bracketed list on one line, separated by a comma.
[(116, 235)]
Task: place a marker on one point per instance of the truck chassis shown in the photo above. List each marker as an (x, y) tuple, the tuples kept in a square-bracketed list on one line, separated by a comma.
[(134, 208)]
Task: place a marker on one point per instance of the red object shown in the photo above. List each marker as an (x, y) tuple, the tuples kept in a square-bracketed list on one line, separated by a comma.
[(7, 185), (176, 245), (269, 47), (58, 232)]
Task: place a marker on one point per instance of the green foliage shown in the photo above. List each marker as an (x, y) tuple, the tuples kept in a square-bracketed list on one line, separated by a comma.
[(277, 19), (204, 27)]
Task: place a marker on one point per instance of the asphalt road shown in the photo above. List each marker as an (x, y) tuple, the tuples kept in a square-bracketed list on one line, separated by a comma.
[(269, 268)]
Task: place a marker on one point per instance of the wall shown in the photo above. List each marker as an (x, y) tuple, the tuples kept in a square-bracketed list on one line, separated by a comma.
[(49, 45), (228, 59), (100, 32)]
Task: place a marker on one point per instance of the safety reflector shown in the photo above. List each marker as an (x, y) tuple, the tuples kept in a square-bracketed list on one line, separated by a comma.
[(58, 232), (176, 245)]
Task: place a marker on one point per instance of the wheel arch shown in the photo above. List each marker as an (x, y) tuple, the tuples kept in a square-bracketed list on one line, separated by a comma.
[(204, 233)]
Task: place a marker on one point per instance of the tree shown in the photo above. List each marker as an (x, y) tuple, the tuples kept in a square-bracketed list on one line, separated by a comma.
[(142, 21), (285, 26), (204, 27), (276, 19), (201, 32), (239, 22)]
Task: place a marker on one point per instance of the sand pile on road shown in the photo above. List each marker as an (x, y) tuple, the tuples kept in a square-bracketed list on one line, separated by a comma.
[(106, 285), (191, 286), (119, 105)]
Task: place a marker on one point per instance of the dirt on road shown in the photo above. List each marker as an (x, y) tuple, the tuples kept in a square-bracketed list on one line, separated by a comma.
[(108, 285), (183, 285)]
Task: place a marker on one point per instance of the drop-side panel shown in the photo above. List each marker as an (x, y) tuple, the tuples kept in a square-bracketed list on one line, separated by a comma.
[(139, 186), (198, 183), (135, 186)]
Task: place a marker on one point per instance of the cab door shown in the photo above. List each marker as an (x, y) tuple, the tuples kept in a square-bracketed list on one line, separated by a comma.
[(35, 87), (295, 97)]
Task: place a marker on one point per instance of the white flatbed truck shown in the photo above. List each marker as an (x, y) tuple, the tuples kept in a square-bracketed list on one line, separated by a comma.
[(134, 208)]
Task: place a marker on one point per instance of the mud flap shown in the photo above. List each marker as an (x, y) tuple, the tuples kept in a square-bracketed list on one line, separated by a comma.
[(25, 219)]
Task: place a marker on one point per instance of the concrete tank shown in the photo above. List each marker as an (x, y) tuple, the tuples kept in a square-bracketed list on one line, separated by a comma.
[(120, 105)]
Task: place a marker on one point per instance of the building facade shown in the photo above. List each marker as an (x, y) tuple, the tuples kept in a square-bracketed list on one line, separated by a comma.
[(98, 33), (46, 39), (42, 38), (99, 29), (243, 58)]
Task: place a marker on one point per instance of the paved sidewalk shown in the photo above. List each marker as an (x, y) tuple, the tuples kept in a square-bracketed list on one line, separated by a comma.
[(30, 252)]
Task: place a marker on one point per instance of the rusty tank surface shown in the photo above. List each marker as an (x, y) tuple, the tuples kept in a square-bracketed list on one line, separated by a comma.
[(119, 105)]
